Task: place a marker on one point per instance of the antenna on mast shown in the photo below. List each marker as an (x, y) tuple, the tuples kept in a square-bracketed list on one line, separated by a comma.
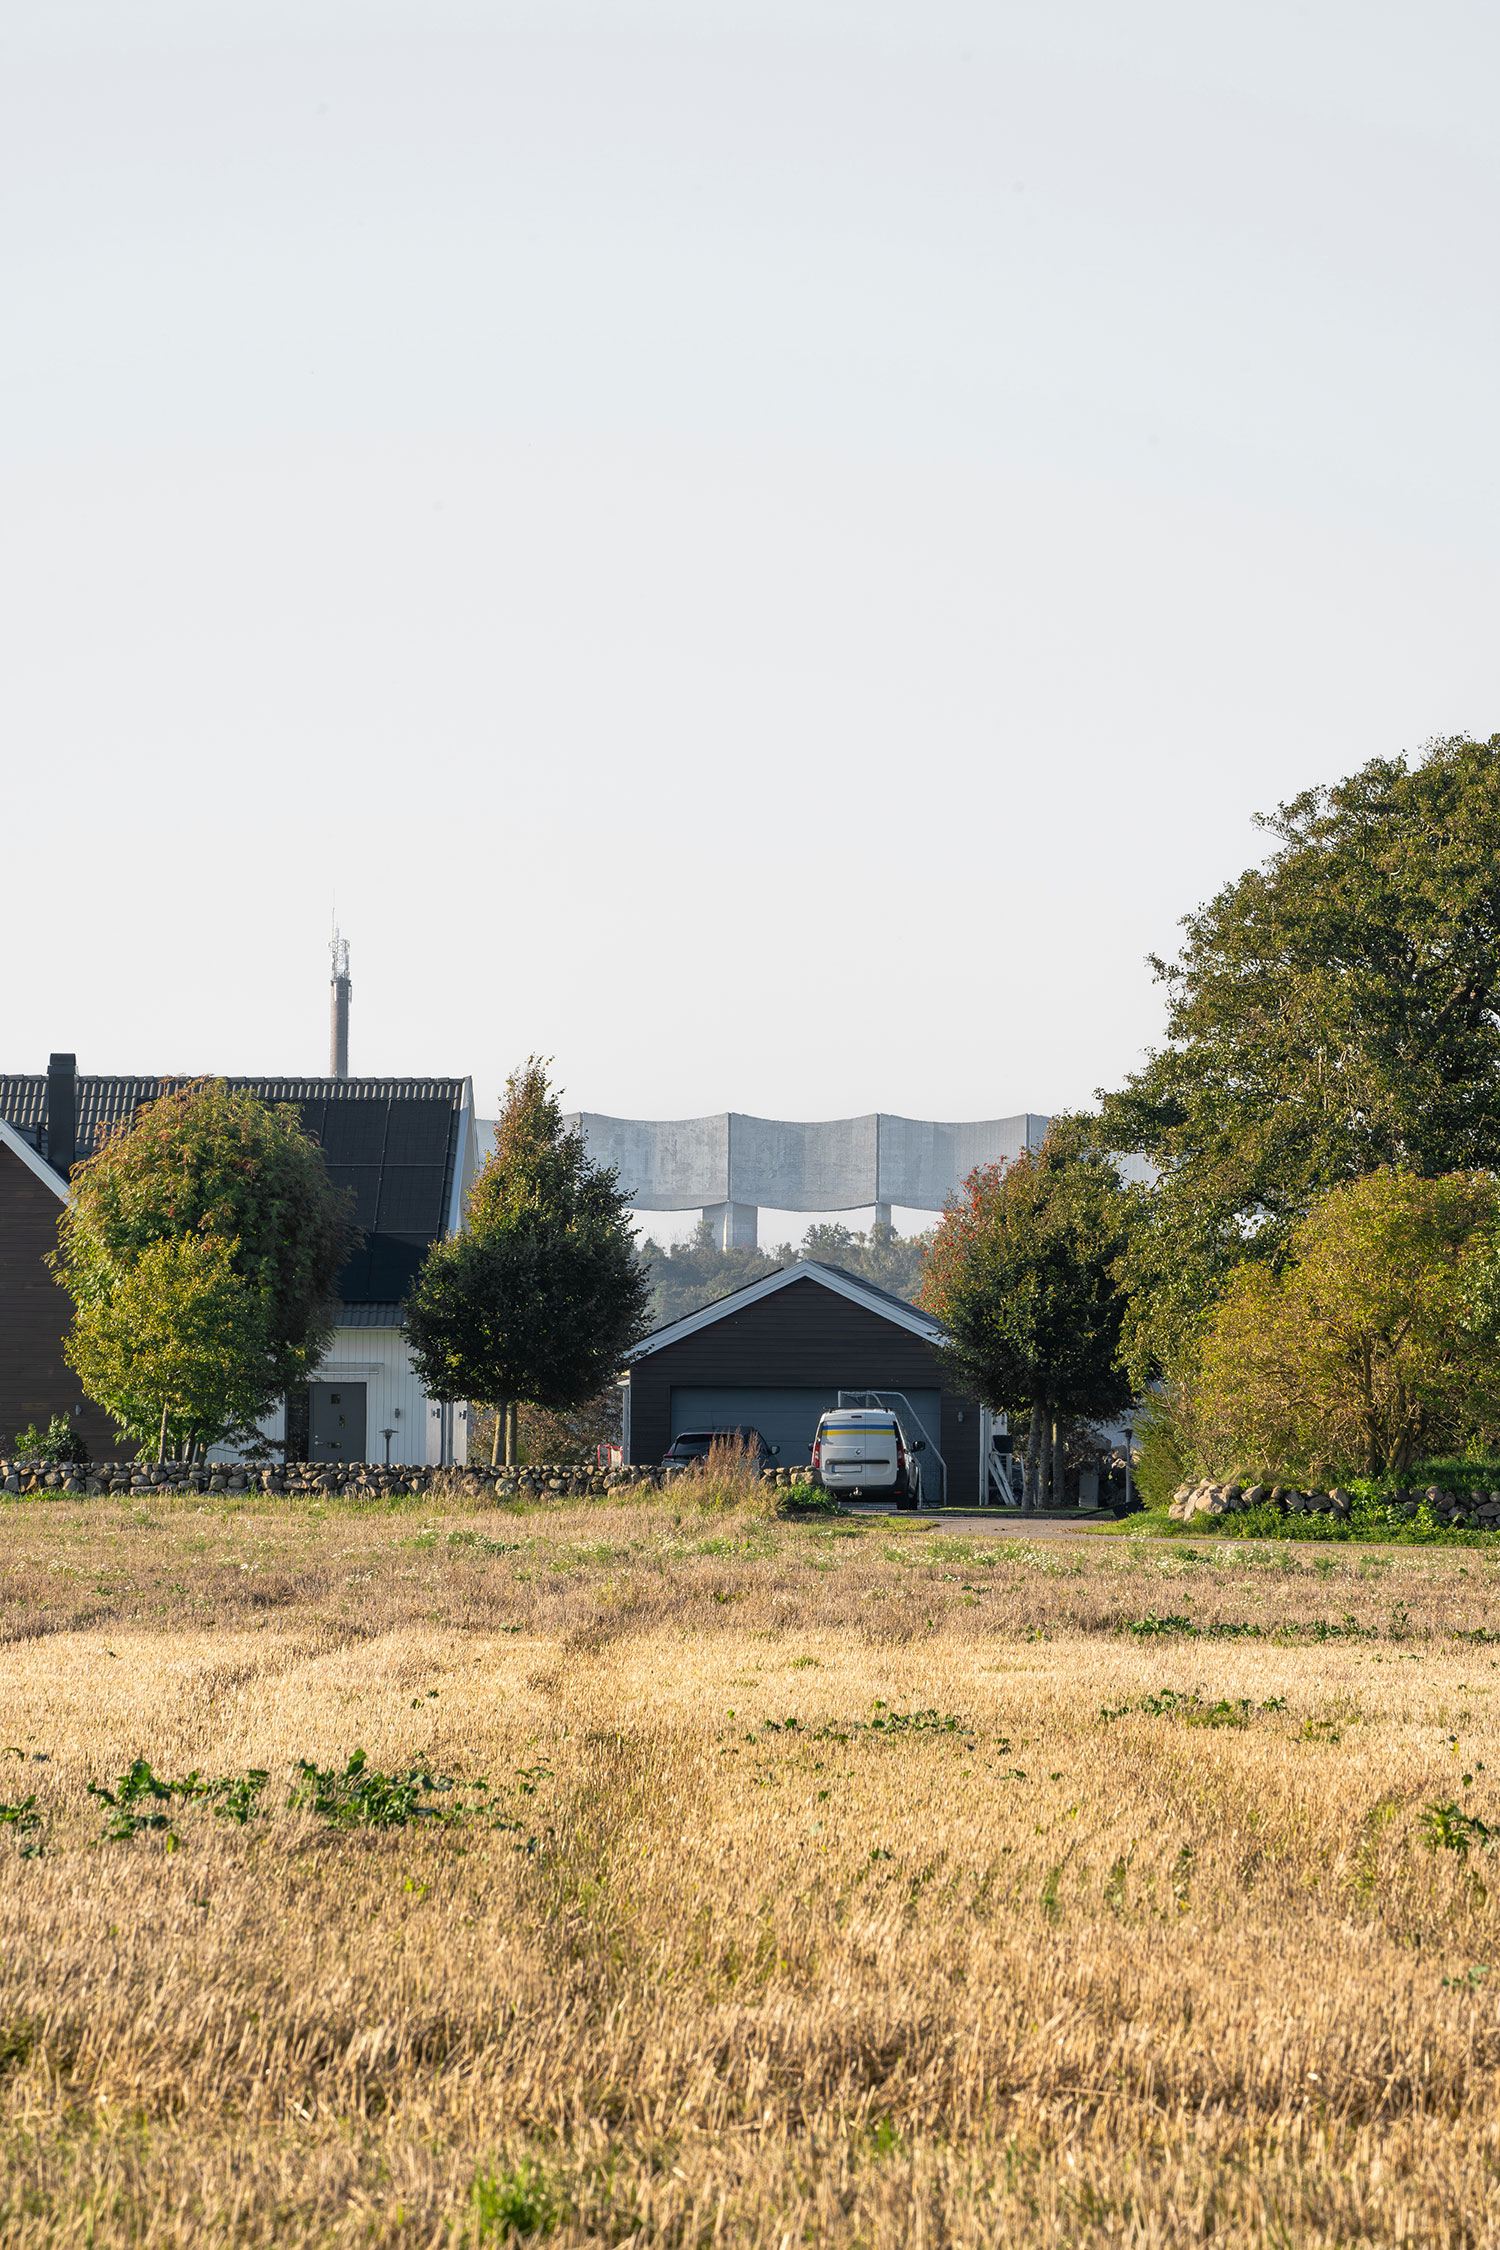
[(339, 1057)]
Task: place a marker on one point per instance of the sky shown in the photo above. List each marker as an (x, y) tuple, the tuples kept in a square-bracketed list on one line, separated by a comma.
[(765, 552)]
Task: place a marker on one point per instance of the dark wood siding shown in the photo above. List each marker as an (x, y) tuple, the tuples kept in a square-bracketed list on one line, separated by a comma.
[(35, 1380), (804, 1334)]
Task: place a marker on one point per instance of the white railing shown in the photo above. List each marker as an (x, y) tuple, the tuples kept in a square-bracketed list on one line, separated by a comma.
[(889, 1401)]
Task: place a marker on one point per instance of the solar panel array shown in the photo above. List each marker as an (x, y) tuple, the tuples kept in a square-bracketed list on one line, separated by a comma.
[(394, 1141)]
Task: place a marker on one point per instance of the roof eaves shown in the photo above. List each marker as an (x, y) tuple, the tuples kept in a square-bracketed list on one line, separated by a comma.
[(11, 1139), (847, 1285)]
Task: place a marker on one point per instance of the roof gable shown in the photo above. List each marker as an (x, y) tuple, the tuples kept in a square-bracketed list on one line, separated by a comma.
[(850, 1286), (38, 1165)]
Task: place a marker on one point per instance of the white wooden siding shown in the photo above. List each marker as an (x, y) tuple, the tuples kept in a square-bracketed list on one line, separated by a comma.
[(394, 1399)]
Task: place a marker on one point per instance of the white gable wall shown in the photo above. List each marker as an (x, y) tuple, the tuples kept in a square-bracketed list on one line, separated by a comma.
[(394, 1400)]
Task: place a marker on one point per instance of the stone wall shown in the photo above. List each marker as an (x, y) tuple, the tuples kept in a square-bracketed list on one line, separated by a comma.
[(1478, 1511), (372, 1480)]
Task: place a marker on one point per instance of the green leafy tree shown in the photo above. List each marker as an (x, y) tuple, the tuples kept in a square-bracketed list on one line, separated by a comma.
[(213, 1161), (176, 1350), (694, 1273), (543, 1294), (1334, 1010), (1374, 1344), (690, 1274), (1023, 1274), (892, 1261)]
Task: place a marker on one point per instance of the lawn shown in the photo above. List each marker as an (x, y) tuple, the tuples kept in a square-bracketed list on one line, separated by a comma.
[(716, 1880)]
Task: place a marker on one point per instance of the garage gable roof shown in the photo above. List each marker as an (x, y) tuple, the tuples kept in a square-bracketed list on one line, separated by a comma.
[(851, 1286)]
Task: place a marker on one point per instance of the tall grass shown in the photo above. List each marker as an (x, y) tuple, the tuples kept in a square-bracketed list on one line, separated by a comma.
[(728, 1476)]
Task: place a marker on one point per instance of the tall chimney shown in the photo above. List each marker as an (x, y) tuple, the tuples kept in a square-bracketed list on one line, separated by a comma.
[(62, 1112), (339, 1060)]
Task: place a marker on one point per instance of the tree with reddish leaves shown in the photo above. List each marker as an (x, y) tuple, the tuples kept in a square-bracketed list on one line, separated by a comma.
[(1024, 1275)]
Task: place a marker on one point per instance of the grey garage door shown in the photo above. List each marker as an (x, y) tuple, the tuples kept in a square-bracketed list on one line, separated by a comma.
[(788, 1418)]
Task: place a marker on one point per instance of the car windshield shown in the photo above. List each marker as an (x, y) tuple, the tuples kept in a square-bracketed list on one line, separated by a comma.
[(694, 1442)]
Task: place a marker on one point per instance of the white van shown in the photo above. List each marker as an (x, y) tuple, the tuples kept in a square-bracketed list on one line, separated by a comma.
[(865, 1451)]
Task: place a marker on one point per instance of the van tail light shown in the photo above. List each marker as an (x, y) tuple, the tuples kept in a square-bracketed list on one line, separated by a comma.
[(900, 1456), (817, 1453)]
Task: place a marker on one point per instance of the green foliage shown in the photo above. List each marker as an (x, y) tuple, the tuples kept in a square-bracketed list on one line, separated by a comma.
[(355, 1795), (543, 1294), (1023, 1275), (135, 1805), (1471, 1979), (569, 1434), (893, 1261), (140, 1802), (59, 1443), (1334, 1010), (1448, 1828), (519, 2201), (1163, 1458), (1374, 1519), (1365, 1347), (687, 1275), (180, 1330), (1193, 1709), (361, 1797), (211, 1164)]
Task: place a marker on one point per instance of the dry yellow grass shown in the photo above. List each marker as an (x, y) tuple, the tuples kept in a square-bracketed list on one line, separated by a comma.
[(1043, 1977)]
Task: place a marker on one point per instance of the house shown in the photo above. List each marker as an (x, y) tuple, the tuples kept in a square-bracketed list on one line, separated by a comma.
[(405, 1145), (775, 1355)]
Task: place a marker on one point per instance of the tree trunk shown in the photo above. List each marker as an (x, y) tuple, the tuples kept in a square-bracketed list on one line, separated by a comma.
[(500, 1412), (1033, 1442), (1059, 1464), (511, 1432), (161, 1443)]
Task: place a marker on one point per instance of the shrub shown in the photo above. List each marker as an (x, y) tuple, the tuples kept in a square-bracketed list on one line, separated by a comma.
[(58, 1443), (1365, 1348), (1163, 1459)]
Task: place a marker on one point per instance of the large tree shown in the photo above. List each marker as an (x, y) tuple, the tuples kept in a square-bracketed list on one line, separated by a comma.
[(1332, 1011), (211, 1161), (542, 1295), (1023, 1274)]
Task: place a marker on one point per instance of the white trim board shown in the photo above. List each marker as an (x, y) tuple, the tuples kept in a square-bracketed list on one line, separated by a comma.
[(11, 1139), (848, 1286)]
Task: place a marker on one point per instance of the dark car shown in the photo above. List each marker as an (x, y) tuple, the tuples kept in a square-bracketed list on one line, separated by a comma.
[(693, 1445)]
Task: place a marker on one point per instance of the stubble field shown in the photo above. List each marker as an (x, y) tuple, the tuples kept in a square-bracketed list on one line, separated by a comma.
[(771, 1884)]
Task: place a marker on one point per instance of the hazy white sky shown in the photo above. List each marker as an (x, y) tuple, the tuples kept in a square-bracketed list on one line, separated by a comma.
[(765, 549)]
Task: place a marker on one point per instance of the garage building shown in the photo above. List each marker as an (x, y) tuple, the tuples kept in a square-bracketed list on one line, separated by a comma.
[(775, 1355)]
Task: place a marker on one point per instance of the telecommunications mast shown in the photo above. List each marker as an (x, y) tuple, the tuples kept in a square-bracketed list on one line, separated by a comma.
[(339, 1059)]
